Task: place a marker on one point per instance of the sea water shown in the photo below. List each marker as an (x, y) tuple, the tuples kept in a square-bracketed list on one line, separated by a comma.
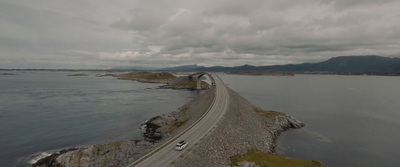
[(350, 120), (43, 112)]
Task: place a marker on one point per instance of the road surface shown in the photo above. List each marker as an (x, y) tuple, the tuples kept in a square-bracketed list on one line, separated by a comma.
[(165, 154)]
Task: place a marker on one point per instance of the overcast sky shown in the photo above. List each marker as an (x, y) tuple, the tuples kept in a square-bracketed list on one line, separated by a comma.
[(165, 33)]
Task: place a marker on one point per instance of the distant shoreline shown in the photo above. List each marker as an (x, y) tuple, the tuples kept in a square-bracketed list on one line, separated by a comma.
[(250, 73), (260, 73)]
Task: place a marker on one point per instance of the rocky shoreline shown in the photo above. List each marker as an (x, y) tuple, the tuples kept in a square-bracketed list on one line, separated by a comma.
[(122, 153), (169, 80), (240, 129), (161, 128), (243, 127)]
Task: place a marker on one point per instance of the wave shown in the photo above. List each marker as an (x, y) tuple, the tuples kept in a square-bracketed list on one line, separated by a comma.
[(36, 158), (143, 125)]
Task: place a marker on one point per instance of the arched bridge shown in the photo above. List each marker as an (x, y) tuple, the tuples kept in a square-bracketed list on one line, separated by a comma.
[(198, 76)]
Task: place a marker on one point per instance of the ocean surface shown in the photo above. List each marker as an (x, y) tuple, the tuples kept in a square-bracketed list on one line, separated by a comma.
[(43, 112), (351, 120)]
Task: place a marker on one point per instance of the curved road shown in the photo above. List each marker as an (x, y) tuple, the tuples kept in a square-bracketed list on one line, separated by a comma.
[(166, 153)]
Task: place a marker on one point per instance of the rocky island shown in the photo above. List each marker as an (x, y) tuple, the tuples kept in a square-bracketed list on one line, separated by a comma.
[(78, 75), (244, 130), (171, 81)]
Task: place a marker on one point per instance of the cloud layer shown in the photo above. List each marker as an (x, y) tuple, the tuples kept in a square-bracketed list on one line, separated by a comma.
[(151, 33)]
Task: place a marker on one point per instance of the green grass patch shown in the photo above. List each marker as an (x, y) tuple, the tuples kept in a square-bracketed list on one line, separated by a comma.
[(273, 160), (78, 75), (183, 110), (117, 143), (178, 124), (269, 114), (156, 76)]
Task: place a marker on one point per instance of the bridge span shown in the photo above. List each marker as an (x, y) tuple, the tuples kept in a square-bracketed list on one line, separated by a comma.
[(166, 153), (198, 76)]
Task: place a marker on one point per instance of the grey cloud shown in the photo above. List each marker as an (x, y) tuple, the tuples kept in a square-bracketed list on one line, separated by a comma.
[(101, 33), (32, 36), (229, 7), (262, 22), (185, 25), (143, 20), (346, 4)]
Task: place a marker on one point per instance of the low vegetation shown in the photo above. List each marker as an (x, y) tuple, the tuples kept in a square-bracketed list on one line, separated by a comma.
[(178, 124), (117, 143), (147, 76), (269, 114), (183, 110), (272, 160), (189, 84), (78, 75)]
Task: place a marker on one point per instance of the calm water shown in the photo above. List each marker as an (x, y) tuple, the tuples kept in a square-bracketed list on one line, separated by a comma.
[(47, 111), (351, 120)]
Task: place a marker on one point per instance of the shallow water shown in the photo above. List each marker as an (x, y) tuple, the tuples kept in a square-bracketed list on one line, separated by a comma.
[(48, 111), (351, 120)]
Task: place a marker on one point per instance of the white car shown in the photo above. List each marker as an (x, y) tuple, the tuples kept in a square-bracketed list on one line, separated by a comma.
[(181, 145)]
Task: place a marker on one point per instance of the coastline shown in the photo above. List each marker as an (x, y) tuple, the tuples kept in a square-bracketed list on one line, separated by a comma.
[(124, 152), (239, 130)]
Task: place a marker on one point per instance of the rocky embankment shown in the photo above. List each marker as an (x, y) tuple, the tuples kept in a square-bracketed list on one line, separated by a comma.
[(167, 126), (243, 127), (184, 82), (159, 129)]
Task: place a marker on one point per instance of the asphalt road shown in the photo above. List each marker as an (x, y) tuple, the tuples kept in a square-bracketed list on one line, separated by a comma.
[(165, 154)]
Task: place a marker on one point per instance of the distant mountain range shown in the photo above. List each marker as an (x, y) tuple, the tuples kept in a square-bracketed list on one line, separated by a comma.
[(340, 65)]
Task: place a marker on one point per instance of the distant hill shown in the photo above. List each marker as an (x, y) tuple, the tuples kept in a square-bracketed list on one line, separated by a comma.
[(351, 64), (340, 65)]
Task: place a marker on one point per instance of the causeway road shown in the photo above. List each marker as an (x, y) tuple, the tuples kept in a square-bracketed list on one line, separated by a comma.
[(166, 153)]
